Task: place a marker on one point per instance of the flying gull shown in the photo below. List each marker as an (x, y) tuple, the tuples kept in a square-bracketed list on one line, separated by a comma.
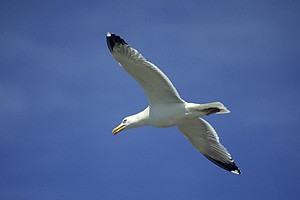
[(166, 108)]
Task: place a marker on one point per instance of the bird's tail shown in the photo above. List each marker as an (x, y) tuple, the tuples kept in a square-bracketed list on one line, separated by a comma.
[(214, 108)]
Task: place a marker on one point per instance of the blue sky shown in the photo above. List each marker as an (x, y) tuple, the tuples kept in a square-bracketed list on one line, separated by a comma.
[(61, 94)]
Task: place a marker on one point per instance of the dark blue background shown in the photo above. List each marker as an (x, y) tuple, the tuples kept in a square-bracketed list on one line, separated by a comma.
[(61, 93)]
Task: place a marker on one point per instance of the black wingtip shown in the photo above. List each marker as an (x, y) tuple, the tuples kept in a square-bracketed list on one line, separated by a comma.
[(112, 40), (231, 166)]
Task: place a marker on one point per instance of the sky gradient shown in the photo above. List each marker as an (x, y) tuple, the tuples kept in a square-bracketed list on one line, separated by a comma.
[(61, 94)]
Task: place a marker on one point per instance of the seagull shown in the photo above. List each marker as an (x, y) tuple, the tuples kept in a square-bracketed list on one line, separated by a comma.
[(166, 108)]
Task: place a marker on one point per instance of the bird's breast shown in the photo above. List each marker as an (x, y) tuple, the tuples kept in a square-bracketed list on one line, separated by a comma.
[(166, 116)]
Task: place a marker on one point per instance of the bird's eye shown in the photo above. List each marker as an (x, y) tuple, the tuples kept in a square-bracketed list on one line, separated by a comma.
[(124, 121)]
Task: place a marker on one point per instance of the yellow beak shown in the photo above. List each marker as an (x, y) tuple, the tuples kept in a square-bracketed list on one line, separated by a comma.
[(118, 129)]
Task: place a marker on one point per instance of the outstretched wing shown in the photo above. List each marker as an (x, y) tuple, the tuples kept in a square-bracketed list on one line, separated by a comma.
[(204, 138), (156, 85)]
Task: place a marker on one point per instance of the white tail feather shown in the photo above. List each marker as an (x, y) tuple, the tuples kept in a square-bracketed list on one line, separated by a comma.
[(217, 105)]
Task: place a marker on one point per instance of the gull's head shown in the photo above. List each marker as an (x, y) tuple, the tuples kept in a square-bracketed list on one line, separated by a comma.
[(140, 119), (127, 122)]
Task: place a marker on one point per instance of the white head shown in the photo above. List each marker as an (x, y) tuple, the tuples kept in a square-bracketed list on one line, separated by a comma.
[(129, 122)]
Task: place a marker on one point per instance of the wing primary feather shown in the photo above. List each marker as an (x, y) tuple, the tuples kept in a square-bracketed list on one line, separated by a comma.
[(113, 40), (227, 166)]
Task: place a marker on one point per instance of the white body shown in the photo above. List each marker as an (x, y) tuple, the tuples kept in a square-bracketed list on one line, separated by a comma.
[(161, 117)]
